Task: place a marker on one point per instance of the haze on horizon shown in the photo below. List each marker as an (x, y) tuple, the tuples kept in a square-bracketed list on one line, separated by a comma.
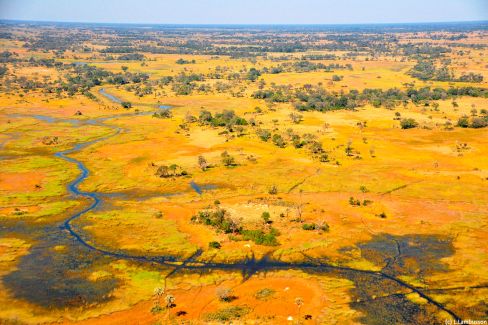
[(245, 11)]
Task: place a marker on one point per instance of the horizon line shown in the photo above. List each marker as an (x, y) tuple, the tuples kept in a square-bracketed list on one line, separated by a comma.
[(2, 20)]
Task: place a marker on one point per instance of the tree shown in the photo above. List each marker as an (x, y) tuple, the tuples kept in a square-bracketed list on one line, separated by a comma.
[(299, 303), (408, 123), (296, 118), (214, 244), (163, 171), (273, 190), (3, 70), (266, 217), (202, 163), (227, 159), (173, 168), (264, 135), (225, 294), (278, 141), (463, 122), (169, 300), (336, 78), (126, 104), (158, 293), (348, 149), (253, 74), (478, 122)]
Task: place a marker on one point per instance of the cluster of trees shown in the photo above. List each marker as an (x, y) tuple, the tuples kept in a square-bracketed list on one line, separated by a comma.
[(221, 220), (173, 170), (276, 94), (317, 98), (306, 66), (227, 159), (423, 50), (7, 56), (307, 140), (183, 61), (163, 113), (226, 118), (77, 78), (475, 122), (357, 202), (427, 70), (183, 84), (260, 237), (131, 57), (313, 226)]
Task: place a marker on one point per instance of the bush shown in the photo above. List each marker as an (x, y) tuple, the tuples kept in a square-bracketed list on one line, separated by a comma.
[(260, 238), (309, 226), (475, 122), (479, 122), (314, 226), (463, 122), (408, 123), (126, 104), (273, 190), (265, 294), (278, 141), (264, 135), (214, 244), (228, 314), (225, 294), (227, 159)]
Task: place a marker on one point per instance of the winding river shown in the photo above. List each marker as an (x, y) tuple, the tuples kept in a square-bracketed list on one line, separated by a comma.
[(247, 267)]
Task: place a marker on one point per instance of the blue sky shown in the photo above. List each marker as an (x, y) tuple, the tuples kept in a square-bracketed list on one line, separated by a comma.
[(245, 11)]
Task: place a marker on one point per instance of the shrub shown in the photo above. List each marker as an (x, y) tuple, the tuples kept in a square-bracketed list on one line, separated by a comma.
[(278, 141), (314, 226), (309, 226), (214, 244), (227, 159), (228, 314), (354, 202), (260, 238), (225, 294), (463, 122), (264, 135), (479, 122), (266, 217), (126, 104), (408, 123), (273, 190), (264, 294)]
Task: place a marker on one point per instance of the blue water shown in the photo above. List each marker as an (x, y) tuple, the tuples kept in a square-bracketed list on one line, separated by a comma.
[(200, 188), (110, 96)]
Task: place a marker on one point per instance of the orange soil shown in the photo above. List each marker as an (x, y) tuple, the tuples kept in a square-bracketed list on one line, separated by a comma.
[(20, 182)]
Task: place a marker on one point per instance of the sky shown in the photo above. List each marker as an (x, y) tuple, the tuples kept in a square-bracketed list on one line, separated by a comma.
[(245, 11)]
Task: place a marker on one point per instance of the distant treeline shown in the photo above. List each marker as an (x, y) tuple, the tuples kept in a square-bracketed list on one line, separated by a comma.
[(317, 98)]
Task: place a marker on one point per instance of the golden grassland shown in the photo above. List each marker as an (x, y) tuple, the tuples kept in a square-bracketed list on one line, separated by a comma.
[(419, 178)]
